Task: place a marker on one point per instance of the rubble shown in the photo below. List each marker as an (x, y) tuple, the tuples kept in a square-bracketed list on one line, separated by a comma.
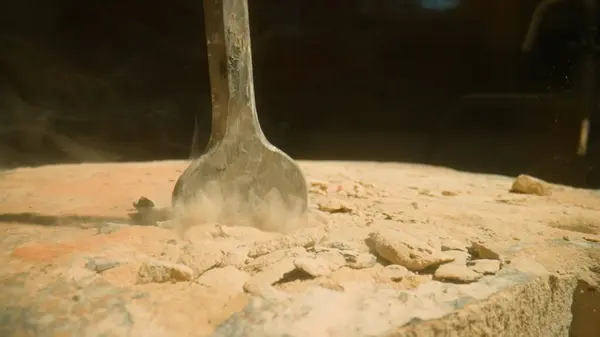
[(314, 266), (485, 267), (405, 250), (359, 260), (456, 273), (261, 284), (304, 237), (394, 272), (439, 265), (160, 272)]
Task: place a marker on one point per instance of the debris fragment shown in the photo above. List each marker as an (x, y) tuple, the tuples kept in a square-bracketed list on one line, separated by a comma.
[(264, 261), (426, 192), (456, 273), (319, 187), (451, 244), (334, 206), (359, 260), (483, 251), (459, 256), (261, 284), (146, 214), (100, 264), (143, 203), (393, 272), (334, 257), (526, 184), (313, 266), (406, 250), (449, 193), (162, 271), (358, 191), (485, 266), (341, 245), (305, 237)]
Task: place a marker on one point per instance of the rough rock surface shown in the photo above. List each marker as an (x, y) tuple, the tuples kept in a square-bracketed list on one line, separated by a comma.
[(367, 310), (75, 263)]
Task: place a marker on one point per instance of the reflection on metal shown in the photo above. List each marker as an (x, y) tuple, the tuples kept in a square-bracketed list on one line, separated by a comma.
[(534, 25), (589, 78), (583, 137), (440, 5)]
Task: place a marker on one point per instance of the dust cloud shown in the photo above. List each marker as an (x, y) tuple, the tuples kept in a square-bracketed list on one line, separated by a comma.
[(271, 213)]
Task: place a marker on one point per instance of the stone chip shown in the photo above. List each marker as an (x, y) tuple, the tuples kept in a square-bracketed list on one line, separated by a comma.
[(334, 257), (313, 266), (359, 260), (484, 266), (451, 244), (456, 273), (304, 237), (405, 250), (261, 284), (460, 257), (264, 261), (156, 271), (393, 272)]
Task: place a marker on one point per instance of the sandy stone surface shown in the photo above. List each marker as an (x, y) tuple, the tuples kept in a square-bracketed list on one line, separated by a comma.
[(78, 259)]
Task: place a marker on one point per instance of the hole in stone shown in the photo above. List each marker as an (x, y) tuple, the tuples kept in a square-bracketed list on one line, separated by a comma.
[(473, 253)]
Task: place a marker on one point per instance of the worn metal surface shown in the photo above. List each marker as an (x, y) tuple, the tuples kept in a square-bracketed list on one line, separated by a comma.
[(238, 163)]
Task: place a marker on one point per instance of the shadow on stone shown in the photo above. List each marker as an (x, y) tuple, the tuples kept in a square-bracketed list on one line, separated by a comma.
[(57, 220), (586, 311)]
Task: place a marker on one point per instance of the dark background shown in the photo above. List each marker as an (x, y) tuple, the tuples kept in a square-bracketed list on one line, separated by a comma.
[(354, 80)]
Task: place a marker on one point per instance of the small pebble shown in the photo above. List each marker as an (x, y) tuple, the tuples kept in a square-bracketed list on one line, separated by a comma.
[(525, 184), (101, 264)]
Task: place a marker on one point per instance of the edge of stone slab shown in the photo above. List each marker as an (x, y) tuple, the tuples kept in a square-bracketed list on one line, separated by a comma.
[(540, 307), (521, 300)]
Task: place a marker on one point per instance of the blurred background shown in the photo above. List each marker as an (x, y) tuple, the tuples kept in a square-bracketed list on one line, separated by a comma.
[(494, 86)]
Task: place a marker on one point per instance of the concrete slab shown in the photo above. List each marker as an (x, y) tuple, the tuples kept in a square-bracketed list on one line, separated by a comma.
[(514, 264)]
